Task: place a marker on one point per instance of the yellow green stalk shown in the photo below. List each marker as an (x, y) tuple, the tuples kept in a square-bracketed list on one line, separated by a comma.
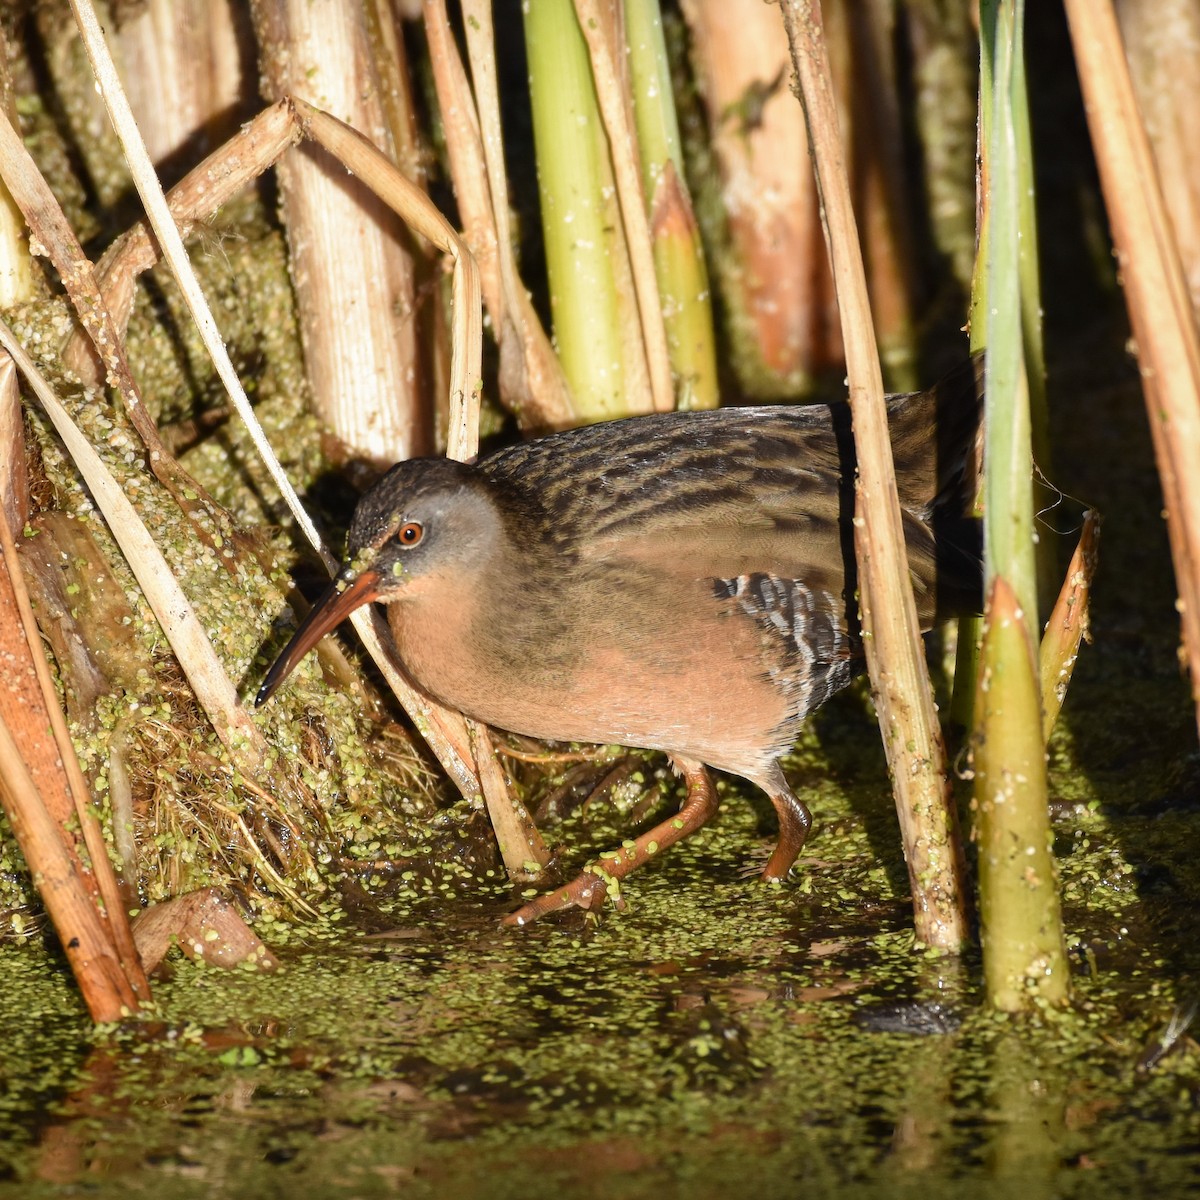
[(1024, 955), (591, 300), (678, 253)]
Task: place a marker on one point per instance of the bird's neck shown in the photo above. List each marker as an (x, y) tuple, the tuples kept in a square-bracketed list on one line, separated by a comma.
[(496, 611)]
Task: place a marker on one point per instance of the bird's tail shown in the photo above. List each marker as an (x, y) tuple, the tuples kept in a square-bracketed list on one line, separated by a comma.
[(937, 443)]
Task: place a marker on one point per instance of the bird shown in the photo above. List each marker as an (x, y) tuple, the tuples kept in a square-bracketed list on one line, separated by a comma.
[(681, 582)]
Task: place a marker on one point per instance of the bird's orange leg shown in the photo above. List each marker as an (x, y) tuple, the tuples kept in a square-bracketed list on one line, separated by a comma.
[(794, 823), (589, 888)]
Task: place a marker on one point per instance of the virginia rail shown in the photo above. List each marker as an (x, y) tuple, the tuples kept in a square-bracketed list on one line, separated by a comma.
[(682, 582)]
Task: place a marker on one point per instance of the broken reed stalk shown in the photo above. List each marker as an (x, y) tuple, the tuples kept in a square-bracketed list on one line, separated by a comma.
[(354, 275), (1156, 294), (14, 474), (895, 654), (596, 327), (678, 252), (1024, 953), (47, 802), (1068, 624), (206, 926)]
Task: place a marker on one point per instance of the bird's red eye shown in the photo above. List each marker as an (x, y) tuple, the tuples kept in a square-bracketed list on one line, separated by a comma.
[(410, 533)]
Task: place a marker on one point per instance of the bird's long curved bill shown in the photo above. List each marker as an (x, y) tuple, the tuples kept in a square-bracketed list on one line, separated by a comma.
[(335, 604)]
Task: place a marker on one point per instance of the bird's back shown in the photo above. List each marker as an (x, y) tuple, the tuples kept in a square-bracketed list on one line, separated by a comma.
[(759, 490)]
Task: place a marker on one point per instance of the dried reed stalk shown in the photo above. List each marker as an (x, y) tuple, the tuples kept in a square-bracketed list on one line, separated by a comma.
[(14, 475), (354, 275), (1068, 624), (106, 988), (1162, 44), (49, 808), (895, 654), (182, 63), (16, 286), (1156, 294), (860, 35)]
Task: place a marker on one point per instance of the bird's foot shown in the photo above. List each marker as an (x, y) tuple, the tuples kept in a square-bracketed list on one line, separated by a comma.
[(603, 878), (587, 891), (756, 861)]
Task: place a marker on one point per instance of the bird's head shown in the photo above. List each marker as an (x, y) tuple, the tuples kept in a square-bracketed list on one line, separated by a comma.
[(428, 520)]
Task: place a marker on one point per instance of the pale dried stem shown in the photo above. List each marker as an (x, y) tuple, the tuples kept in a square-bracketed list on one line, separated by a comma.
[(1068, 624), (465, 152), (396, 90), (362, 159), (16, 262), (602, 30), (14, 474), (867, 70), (1162, 44), (183, 71), (1156, 293), (521, 846), (353, 274), (899, 677), (16, 286)]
